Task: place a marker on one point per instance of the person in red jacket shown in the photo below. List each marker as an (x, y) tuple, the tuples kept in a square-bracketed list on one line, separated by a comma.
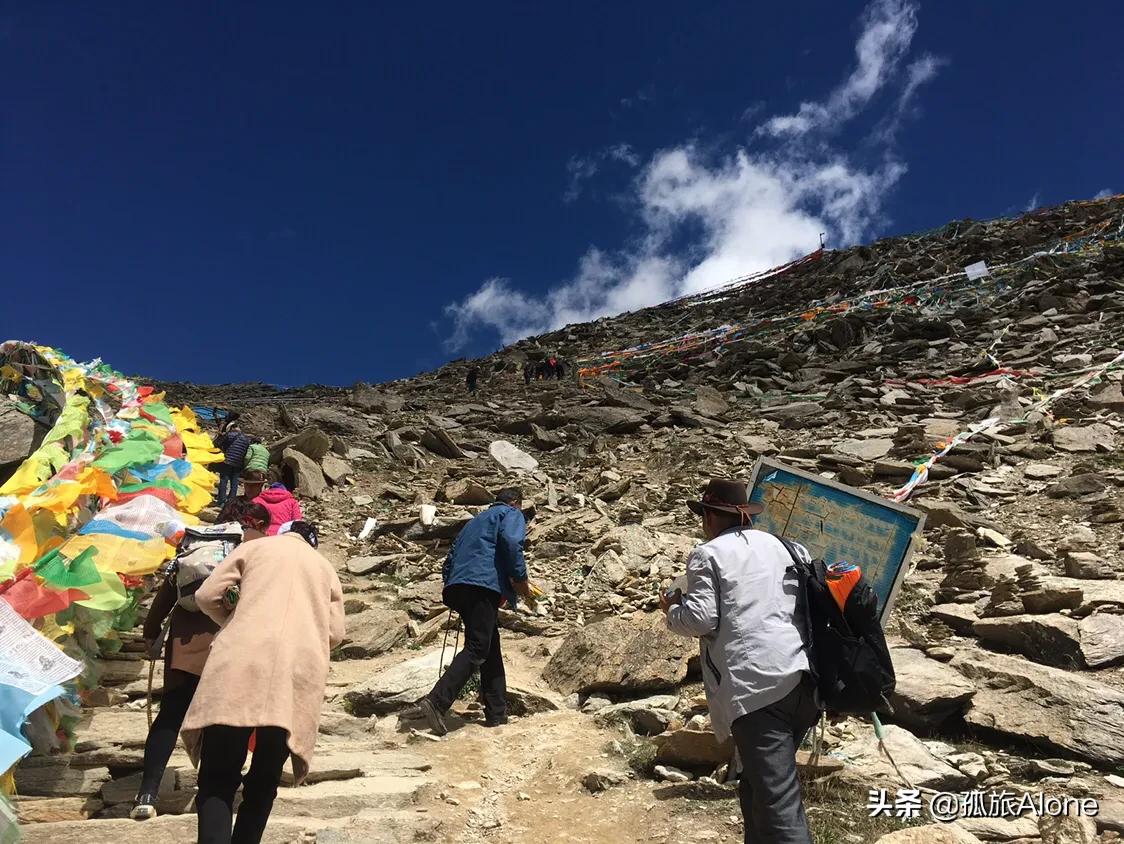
[(282, 507)]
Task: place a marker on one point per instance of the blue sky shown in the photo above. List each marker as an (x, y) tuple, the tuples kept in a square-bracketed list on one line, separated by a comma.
[(333, 192)]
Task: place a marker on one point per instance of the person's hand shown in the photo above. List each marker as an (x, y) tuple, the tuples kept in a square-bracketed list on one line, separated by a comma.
[(667, 602), (523, 589)]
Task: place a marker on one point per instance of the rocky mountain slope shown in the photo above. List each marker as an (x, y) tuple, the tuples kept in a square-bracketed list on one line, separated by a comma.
[(1008, 635)]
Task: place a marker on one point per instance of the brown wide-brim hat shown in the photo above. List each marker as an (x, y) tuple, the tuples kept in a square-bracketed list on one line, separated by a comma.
[(726, 497)]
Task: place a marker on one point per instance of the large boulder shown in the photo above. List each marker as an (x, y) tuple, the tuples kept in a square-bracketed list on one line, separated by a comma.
[(709, 402), (308, 479), (635, 654), (1047, 639), (1086, 564), (468, 493), (511, 458), (440, 443), (693, 749), (867, 761), (20, 435), (311, 442), (606, 420), (1102, 639), (1061, 711), (365, 397), (339, 422), (928, 692), (396, 687), (1082, 439), (373, 632), (637, 546), (335, 470), (933, 833)]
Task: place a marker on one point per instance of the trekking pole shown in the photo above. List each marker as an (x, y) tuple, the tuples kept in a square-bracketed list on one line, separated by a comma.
[(456, 642), (151, 674), (445, 643)]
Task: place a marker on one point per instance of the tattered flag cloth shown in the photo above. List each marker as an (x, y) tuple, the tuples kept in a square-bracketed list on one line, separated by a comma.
[(101, 503), (32, 671)]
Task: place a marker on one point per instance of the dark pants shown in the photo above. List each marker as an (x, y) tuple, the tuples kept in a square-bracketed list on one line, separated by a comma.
[(228, 483), (220, 771), (179, 689), (479, 612), (772, 807)]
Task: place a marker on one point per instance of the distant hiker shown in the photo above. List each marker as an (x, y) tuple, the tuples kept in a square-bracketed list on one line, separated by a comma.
[(282, 506), (280, 606), (559, 369), (540, 370), (186, 645), (257, 457), (552, 367), (741, 604), (484, 569), (470, 379), (253, 482), (233, 444), (528, 372)]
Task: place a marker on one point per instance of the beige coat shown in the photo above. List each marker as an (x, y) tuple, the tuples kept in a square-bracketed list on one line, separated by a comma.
[(269, 664)]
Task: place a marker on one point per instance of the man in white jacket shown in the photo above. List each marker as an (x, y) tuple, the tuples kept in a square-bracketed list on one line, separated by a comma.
[(741, 604)]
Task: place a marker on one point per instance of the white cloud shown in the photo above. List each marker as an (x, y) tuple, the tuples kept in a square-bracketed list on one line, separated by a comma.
[(1034, 202), (706, 218), (887, 30), (1103, 193), (582, 169)]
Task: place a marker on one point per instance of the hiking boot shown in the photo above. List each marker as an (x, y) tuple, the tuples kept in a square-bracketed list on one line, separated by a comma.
[(424, 709), (495, 722), (144, 809)]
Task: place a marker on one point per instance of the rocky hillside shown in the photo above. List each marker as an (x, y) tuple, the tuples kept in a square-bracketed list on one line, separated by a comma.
[(1009, 633)]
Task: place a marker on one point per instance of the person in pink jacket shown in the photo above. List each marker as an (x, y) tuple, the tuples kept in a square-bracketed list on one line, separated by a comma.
[(282, 507)]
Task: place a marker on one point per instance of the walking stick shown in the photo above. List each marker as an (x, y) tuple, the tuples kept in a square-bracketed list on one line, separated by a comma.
[(151, 674), (153, 655), (445, 643)]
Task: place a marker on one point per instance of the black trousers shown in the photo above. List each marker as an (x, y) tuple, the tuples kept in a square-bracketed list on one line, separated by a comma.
[(479, 612), (772, 806), (222, 756), (179, 689)]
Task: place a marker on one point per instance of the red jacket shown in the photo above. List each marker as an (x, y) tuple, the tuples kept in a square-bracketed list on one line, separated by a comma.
[(282, 507)]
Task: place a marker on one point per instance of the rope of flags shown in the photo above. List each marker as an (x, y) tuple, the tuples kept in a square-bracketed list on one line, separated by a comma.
[(99, 505)]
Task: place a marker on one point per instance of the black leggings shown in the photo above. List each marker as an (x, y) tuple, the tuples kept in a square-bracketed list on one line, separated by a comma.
[(220, 771), (161, 741)]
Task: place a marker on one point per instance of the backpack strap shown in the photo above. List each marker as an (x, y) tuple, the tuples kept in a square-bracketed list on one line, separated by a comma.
[(803, 571)]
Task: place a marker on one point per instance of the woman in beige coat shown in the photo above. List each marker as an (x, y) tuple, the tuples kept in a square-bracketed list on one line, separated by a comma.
[(281, 609)]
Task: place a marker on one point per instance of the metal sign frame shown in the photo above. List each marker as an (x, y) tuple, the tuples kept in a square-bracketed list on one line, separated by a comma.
[(765, 465)]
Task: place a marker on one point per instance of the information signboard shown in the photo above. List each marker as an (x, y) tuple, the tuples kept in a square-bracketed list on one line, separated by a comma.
[(838, 523)]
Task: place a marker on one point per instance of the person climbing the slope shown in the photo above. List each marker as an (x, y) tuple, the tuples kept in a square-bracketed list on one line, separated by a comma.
[(741, 604), (280, 606), (528, 372), (186, 646), (282, 506), (257, 457), (471, 378), (233, 444), (484, 569)]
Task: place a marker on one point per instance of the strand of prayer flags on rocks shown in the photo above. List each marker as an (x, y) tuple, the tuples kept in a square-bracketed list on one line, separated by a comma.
[(99, 504), (912, 295), (921, 471)]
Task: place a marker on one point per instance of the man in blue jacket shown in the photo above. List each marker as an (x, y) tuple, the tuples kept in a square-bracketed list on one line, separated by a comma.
[(484, 569)]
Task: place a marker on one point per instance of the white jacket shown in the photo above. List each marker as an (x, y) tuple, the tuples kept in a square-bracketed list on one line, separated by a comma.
[(741, 603)]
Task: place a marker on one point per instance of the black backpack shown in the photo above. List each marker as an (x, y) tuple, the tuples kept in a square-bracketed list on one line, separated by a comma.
[(847, 649)]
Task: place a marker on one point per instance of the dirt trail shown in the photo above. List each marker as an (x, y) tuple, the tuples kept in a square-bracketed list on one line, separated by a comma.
[(384, 782)]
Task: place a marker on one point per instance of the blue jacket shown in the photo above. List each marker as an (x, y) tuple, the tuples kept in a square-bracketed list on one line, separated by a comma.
[(233, 445), (488, 552)]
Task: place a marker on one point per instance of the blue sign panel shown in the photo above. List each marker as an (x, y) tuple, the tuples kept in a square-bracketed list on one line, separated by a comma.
[(837, 523)]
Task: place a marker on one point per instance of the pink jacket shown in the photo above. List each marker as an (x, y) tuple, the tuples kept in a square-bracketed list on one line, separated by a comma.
[(282, 507)]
